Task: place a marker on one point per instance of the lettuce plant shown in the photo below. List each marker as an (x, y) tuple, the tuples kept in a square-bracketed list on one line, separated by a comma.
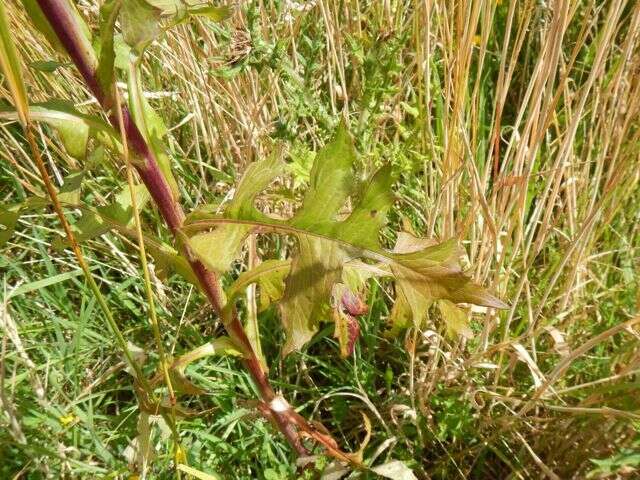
[(336, 228)]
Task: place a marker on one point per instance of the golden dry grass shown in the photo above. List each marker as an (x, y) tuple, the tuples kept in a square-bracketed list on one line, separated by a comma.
[(515, 125)]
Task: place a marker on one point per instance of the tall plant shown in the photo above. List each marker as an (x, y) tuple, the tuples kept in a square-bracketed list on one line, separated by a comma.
[(336, 228)]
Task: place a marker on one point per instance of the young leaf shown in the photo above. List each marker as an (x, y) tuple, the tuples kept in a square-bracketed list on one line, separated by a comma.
[(73, 127), (70, 191), (93, 224), (140, 23), (12, 69), (395, 470), (10, 214), (108, 16), (217, 14), (347, 306), (42, 24), (219, 346), (269, 276), (151, 126), (455, 320), (8, 222)]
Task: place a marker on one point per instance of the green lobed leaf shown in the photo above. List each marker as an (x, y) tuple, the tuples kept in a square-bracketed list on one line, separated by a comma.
[(426, 271), (411, 303), (329, 236), (314, 270), (363, 225), (219, 248), (421, 277), (317, 266), (331, 182)]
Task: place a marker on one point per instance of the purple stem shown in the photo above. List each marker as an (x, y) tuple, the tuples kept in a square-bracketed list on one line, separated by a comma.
[(66, 27)]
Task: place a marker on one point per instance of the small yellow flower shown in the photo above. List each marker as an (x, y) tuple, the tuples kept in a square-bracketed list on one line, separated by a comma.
[(477, 39), (66, 420), (181, 455)]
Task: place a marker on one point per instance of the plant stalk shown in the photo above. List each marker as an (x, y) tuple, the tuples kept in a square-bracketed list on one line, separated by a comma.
[(69, 34)]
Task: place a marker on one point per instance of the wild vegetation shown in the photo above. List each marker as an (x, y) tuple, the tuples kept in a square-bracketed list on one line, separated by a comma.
[(323, 239)]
